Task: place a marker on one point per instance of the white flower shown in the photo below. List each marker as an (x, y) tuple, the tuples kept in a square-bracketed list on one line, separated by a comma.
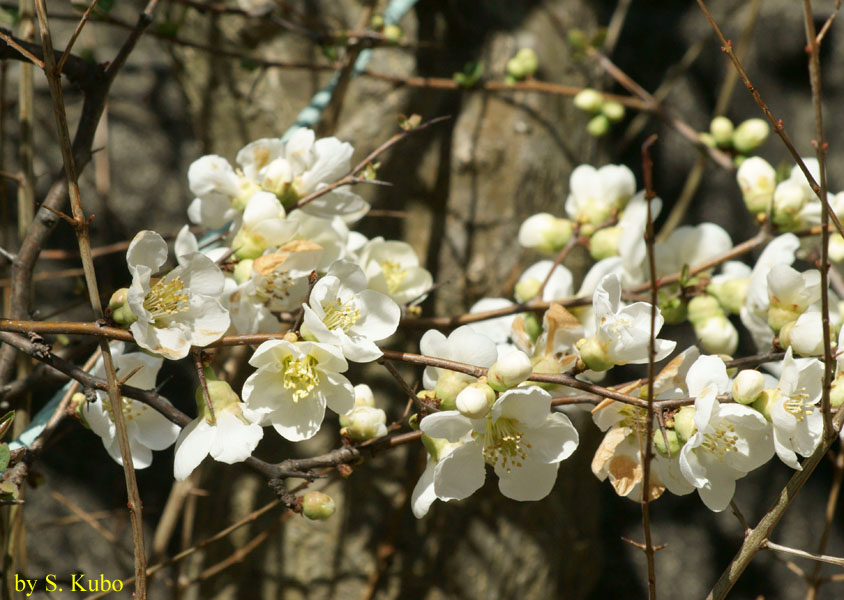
[(146, 428), (293, 385), (731, 439), (498, 328), (595, 193), (691, 245), (797, 419), (264, 226), (624, 332), (180, 309), (392, 268), (754, 313), (294, 169), (332, 235), (278, 282), (229, 436), (631, 246), (344, 312), (717, 335), (221, 193), (805, 336), (520, 438)]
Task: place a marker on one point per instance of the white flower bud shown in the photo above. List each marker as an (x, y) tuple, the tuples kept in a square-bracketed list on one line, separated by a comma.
[(509, 371), (544, 232), (730, 294), (475, 400), (393, 33), (684, 422), (747, 386), (364, 423), (765, 401), (613, 110), (526, 289), (836, 248), (702, 308), (717, 335), (722, 129), (243, 270), (318, 506), (806, 335), (757, 180), (750, 134), (449, 385), (364, 395), (604, 243), (589, 100), (789, 199)]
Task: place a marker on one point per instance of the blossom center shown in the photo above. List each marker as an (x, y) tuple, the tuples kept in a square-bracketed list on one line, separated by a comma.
[(340, 315), (300, 376), (796, 404), (394, 273), (274, 285), (722, 441), (130, 409), (166, 298), (503, 444)]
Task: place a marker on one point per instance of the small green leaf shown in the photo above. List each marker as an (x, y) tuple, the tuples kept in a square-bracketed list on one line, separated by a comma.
[(5, 455), (9, 17)]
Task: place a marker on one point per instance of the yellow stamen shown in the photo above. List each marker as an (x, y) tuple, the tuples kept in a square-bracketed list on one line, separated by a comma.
[(339, 315), (300, 376), (166, 298)]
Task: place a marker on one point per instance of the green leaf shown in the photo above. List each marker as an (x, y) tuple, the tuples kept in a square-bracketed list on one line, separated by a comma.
[(9, 17), (5, 455)]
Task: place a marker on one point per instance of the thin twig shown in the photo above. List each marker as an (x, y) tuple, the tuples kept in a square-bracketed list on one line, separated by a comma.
[(85, 16), (833, 560), (814, 578)]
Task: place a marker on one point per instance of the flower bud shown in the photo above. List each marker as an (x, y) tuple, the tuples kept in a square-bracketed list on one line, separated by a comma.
[(836, 393), (222, 396), (717, 335), (730, 294), (247, 245), (702, 308), (364, 395), (706, 139), (589, 100), (318, 506), (243, 270), (674, 443), (598, 126), (779, 315), (364, 423), (784, 336), (721, 129), (674, 311), (836, 248), (434, 446), (120, 311), (544, 232), (684, 423), (757, 180), (449, 385), (393, 33), (604, 242), (750, 134), (806, 334), (594, 354), (509, 371), (526, 289), (765, 401), (533, 326), (747, 386), (523, 64), (475, 400), (613, 110), (789, 199)]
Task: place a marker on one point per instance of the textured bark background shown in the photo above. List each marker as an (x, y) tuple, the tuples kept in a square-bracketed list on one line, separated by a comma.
[(467, 184)]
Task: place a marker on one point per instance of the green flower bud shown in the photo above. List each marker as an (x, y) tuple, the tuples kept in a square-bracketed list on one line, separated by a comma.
[(747, 386), (765, 402), (434, 446), (120, 311), (750, 134), (475, 400), (702, 308), (448, 386), (789, 199), (364, 423), (717, 335), (784, 336), (545, 232), (243, 270), (674, 310), (393, 33), (613, 110), (594, 354), (836, 394), (779, 315), (222, 395), (604, 243), (248, 246), (684, 423), (598, 126), (706, 139), (523, 64), (722, 129), (674, 443), (589, 100), (527, 289), (318, 506), (730, 294), (533, 326)]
